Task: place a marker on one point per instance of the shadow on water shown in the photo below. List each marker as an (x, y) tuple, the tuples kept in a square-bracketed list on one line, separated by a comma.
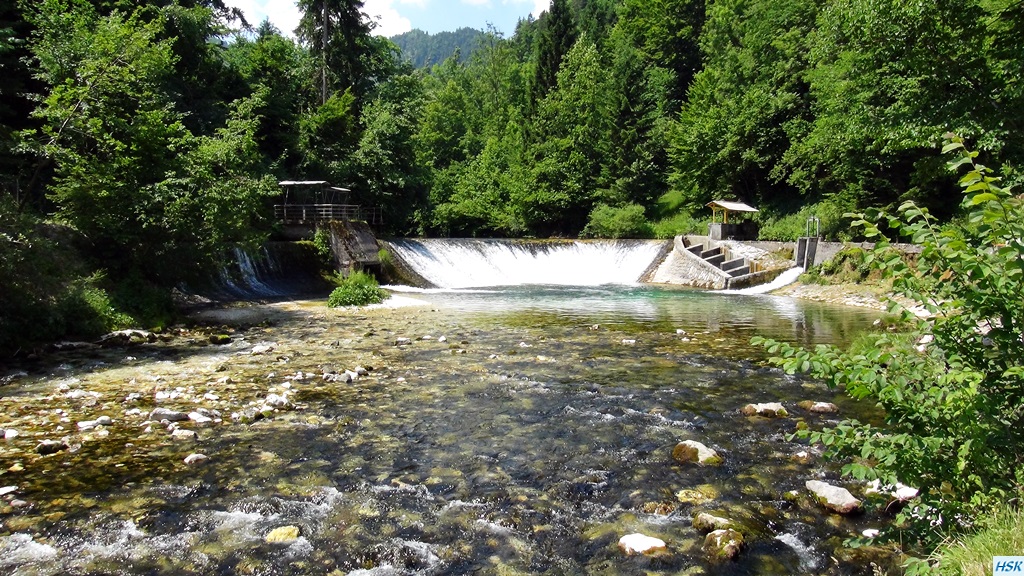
[(516, 431)]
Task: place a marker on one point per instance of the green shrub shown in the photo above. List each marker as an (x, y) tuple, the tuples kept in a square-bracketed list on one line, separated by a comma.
[(788, 227), (952, 387), (626, 221), (86, 310), (357, 289), (322, 244)]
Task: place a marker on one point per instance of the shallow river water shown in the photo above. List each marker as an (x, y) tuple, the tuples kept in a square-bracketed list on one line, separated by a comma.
[(517, 431)]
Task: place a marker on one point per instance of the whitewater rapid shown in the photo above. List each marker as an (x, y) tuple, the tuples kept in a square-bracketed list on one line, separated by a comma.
[(471, 263)]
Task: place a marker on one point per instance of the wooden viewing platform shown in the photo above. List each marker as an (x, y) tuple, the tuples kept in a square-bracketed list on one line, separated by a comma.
[(307, 203)]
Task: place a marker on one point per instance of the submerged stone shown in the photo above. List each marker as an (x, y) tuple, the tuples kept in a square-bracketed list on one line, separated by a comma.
[(159, 414), (220, 339), (834, 498), (196, 458), (706, 522), (283, 535), (51, 447), (721, 545), (767, 409), (183, 434), (640, 544), (819, 407), (692, 451)]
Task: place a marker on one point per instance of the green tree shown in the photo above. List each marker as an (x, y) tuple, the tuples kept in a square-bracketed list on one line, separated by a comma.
[(273, 61), (953, 388), (637, 105), (556, 36), (567, 158), (667, 31), (337, 33), (151, 196), (385, 159), (748, 105), (887, 79)]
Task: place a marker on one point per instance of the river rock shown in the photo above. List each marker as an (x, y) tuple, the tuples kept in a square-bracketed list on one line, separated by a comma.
[(159, 414), (834, 498), (220, 339), (898, 492), (767, 409), (283, 534), (640, 544), (692, 451), (11, 433), (262, 349), (706, 522), (199, 419), (8, 490), (196, 458), (51, 446), (183, 434), (277, 400), (819, 407), (723, 544), (403, 341), (130, 336)]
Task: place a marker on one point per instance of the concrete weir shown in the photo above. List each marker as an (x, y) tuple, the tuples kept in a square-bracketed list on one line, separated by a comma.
[(702, 262)]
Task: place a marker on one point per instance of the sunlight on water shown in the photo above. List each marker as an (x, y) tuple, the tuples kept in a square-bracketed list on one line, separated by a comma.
[(467, 263), (508, 430)]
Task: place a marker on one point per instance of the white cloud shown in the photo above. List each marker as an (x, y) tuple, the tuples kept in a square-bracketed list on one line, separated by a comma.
[(540, 6), (477, 2), (389, 21)]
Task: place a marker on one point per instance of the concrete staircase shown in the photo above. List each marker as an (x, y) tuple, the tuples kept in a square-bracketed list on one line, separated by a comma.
[(719, 257)]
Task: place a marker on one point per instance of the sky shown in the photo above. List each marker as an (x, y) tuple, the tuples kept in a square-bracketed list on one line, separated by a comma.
[(398, 16)]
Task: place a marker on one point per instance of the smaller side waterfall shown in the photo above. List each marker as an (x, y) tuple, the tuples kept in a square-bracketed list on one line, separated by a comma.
[(468, 263), (784, 279), (275, 270)]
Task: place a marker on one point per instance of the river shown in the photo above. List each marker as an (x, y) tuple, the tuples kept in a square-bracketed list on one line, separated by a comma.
[(490, 431)]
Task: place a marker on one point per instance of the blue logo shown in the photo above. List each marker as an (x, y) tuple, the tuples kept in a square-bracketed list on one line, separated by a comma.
[(1008, 565)]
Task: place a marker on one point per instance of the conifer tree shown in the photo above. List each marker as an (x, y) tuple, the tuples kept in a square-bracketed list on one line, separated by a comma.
[(557, 36)]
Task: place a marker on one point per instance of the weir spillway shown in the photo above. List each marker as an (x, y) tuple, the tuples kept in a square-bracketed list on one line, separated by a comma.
[(475, 263)]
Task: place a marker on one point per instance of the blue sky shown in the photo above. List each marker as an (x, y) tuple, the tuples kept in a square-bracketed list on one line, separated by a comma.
[(397, 16)]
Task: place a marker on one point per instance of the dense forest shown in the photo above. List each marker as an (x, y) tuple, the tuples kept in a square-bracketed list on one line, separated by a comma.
[(139, 139), (424, 50)]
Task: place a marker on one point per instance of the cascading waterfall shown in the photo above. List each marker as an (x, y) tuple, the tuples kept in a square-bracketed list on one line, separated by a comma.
[(469, 263), (277, 269)]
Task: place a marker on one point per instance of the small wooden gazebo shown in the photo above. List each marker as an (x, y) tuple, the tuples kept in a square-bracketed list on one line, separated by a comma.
[(724, 230)]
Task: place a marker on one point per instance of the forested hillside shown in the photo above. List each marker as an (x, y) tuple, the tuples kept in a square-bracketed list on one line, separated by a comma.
[(424, 50), (138, 140)]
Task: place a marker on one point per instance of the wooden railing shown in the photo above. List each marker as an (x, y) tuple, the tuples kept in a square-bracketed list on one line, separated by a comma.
[(310, 213)]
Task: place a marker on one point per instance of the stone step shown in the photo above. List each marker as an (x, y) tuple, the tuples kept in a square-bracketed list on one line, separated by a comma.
[(696, 249), (733, 264), (709, 253), (715, 260), (739, 271)]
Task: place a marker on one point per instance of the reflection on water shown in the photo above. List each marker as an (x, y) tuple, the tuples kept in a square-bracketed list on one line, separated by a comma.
[(519, 431)]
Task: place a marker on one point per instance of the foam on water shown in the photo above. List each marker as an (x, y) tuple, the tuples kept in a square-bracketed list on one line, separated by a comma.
[(466, 263), (784, 279)]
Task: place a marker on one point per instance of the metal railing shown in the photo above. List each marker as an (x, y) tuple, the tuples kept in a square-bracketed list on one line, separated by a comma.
[(308, 213)]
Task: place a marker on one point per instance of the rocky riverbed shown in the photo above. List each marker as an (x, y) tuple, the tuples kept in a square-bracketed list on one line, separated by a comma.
[(290, 438)]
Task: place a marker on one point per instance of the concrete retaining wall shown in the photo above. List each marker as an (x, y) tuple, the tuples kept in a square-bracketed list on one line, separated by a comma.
[(828, 250)]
